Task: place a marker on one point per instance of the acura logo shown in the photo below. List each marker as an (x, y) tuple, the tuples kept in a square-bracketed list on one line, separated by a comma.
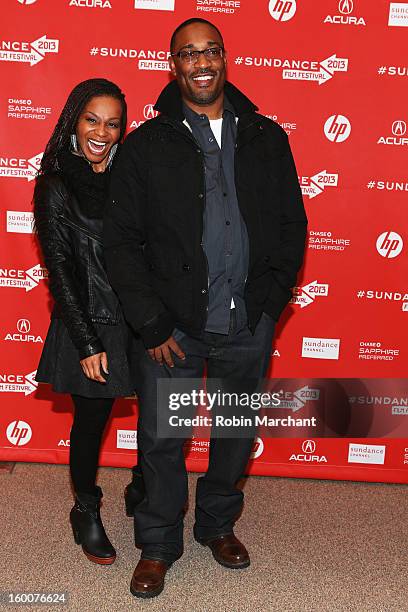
[(23, 326), (399, 128), (149, 112), (309, 446), (346, 7)]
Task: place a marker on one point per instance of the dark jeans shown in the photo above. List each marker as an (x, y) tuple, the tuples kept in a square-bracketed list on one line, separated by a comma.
[(159, 516)]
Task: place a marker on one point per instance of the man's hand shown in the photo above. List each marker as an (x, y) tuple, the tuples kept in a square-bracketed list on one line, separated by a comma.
[(92, 366), (162, 353)]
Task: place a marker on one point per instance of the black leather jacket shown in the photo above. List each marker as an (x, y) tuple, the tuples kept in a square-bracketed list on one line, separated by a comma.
[(72, 248)]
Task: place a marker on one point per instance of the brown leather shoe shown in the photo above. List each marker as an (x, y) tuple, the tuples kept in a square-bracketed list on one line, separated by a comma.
[(148, 578), (228, 551)]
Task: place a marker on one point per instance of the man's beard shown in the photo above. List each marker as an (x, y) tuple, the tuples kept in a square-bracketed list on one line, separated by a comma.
[(205, 98)]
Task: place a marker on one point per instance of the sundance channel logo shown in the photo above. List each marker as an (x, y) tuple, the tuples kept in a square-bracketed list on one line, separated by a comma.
[(321, 348), (366, 453), (19, 222), (398, 14), (126, 438)]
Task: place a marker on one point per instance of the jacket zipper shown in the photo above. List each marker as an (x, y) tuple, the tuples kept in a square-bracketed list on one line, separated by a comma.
[(87, 233)]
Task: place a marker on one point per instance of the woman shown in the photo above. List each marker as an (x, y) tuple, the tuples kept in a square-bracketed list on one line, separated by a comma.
[(85, 352)]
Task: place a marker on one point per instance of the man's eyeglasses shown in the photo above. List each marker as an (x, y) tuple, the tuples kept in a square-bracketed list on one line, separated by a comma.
[(190, 56)]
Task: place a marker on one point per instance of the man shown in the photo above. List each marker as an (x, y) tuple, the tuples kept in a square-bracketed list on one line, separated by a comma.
[(204, 237)]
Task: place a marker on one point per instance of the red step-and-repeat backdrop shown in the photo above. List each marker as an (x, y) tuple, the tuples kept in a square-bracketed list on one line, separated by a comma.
[(333, 74)]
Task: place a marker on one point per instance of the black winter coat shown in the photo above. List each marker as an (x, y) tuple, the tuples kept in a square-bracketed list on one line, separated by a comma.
[(154, 222), (72, 246)]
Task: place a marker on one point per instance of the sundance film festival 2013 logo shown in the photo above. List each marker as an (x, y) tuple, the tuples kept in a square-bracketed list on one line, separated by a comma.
[(22, 279), (147, 59), (315, 185), (298, 69), (400, 297), (18, 383), (345, 15), (282, 10), (387, 185), (398, 138), (337, 128), (27, 52), (306, 295), (389, 244), (296, 400), (19, 433), (19, 167)]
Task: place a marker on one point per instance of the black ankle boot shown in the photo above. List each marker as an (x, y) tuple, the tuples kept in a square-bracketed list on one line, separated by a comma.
[(88, 528), (134, 492)]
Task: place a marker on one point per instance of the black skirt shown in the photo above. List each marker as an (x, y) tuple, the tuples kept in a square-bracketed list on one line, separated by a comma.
[(59, 364)]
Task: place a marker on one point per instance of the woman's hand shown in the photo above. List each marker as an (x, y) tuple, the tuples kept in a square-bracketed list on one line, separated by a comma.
[(92, 366)]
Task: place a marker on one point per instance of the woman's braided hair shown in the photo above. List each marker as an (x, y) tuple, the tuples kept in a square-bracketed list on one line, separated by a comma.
[(76, 102)]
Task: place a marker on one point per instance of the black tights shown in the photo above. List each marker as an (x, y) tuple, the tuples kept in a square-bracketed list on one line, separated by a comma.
[(90, 418)]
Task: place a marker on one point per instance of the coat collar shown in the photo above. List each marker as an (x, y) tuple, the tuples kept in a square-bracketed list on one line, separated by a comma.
[(170, 103)]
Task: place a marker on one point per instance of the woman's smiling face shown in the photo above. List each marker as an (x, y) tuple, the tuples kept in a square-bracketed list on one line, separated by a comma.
[(98, 129)]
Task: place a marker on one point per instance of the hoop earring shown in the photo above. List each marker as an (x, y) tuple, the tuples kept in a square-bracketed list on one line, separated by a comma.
[(111, 155), (74, 143)]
